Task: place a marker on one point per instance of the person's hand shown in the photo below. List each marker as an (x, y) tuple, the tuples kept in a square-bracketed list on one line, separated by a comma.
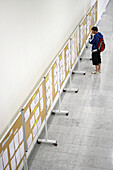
[(91, 34)]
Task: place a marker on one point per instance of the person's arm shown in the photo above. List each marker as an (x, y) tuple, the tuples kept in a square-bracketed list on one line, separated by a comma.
[(92, 39)]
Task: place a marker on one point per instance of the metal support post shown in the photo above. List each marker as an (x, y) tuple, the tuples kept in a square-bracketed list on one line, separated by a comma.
[(78, 71), (25, 141), (46, 140), (59, 111), (86, 46), (70, 89)]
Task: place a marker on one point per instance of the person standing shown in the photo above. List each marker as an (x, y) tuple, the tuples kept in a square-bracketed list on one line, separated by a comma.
[(96, 58)]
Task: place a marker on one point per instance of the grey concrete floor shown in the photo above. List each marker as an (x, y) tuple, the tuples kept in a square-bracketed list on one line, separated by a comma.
[(85, 137)]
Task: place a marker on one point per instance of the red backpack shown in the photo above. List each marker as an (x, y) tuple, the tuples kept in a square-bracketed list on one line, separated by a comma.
[(101, 44)]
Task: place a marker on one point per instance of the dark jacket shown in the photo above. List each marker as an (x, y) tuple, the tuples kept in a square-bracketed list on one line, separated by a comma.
[(95, 40)]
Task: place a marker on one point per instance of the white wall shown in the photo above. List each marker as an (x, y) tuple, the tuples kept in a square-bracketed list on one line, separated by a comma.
[(31, 34)]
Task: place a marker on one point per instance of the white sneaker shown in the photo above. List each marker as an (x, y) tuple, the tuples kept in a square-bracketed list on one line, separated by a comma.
[(99, 71), (95, 72)]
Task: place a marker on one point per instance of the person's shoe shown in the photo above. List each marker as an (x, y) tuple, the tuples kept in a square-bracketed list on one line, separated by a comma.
[(95, 72), (99, 71)]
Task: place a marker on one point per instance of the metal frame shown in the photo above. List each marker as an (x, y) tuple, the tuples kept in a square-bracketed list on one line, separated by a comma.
[(70, 89), (86, 46), (78, 71), (46, 140), (25, 141), (59, 111)]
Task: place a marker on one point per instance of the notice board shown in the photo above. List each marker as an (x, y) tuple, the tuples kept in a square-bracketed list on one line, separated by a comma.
[(12, 149), (35, 113)]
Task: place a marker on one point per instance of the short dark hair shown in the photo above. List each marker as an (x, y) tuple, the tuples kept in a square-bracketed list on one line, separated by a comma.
[(94, 28)]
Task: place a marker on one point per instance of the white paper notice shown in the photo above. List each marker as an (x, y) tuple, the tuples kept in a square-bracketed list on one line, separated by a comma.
[(55, 79), (13, 163), (22, 150), (7, 168), (67, 64), (81, 35), (34, 131), (94, 15), (40, 91), (48, 93), (20, 132), (16, 141), (56, 88), (63, 75), (5, 157), (32, 121), (60, 63), (73, 50), (84, 31), (62, 53), (51, 90), (39, 123), (41, 104), (32, 106), (36, 100), (26, 115), (18, 158), (11, 149), (46, 85), (48, 102), (55, 71), (1, 164), (78, 38), (29, 140), (37, 113), (50, 77)]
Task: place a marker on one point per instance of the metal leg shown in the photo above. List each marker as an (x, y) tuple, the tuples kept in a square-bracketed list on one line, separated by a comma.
[(59, 111), (46, 140), (71, 90), (87, 45), (25, 141), (85, 58), (79, 72), (79, 58), (25, 163), (62, 112), (24, 130)]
